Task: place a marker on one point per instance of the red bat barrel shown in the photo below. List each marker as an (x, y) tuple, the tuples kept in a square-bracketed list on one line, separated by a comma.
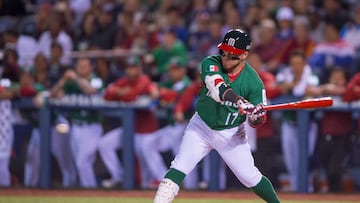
[(302, 104)]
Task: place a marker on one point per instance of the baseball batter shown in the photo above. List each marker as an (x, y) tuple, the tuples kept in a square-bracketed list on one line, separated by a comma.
[(231, 88)]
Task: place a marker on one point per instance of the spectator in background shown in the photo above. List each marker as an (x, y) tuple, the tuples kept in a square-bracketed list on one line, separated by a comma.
[(333, 51), (104, 70), (56, 67), (86, 129), (57, 34), (299, 41), (170, 46), (79, 8), (42, 18), (62, 10), (316, 29), (123, 35), (198, 30), (284, 18), (174, 19), (207, 46), (351, 31), (106, 28), (33, 86), (295, 80), (41, 70), (11, 69), (26, 46), (232, 19), (127, 89), (335, 130), (143, 37), (84, 36), (265, 134), (301, 7), (333, 10), (268, 45), (253, 16)]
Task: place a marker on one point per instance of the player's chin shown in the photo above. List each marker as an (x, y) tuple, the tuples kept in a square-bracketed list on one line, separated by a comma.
[(227, 66)]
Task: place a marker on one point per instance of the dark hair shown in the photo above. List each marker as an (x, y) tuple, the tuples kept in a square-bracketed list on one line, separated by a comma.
[(298, 52), (56, 45), (12, 31)]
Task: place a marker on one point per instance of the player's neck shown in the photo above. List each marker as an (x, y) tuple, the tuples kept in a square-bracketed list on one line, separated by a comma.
[(236, 70)]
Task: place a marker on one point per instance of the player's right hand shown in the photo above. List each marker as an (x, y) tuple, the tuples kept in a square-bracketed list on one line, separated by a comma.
[(257, 112)]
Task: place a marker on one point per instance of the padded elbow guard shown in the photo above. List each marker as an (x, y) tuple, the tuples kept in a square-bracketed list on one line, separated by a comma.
[(213, 84)]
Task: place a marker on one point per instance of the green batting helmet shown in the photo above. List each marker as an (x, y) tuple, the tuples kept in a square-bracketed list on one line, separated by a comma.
[(235, 41)]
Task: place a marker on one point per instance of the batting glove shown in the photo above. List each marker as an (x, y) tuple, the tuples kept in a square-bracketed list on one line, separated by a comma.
[(257, 112), (245, 107)]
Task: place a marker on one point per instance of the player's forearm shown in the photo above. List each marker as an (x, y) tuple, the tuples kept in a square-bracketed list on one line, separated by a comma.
[(57, 87), (230, 95), (85, 86), (258, 122)]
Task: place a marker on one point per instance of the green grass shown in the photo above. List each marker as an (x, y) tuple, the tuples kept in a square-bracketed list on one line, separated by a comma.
[(32, 199)]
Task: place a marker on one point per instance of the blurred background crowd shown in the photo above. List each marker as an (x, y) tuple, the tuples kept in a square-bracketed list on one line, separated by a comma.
[(122, 49)]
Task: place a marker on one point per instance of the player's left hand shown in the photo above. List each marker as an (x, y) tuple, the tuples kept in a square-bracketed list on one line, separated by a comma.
[(257, 112)]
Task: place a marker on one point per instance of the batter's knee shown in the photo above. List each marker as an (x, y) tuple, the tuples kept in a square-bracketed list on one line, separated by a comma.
[(251, 180)]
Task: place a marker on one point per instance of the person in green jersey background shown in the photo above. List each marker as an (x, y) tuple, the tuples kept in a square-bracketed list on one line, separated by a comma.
[(86, 129), (231, 90)]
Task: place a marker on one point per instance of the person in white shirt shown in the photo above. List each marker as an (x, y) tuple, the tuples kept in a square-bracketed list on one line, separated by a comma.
[(56, 34), (26, 47)]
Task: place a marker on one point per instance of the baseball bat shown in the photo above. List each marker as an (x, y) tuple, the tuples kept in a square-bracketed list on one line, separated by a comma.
[(302, 104)]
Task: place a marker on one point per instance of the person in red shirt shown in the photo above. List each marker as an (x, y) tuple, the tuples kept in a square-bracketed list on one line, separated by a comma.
[(128, 89), (264, 135), (299, 41)]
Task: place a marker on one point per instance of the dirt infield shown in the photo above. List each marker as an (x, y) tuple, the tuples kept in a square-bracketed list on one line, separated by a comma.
[(182, 194)]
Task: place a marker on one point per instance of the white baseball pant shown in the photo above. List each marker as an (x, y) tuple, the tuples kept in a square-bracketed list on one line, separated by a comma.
[(231, 144), (112, 142), (290, 149), (60, 147), (84, 144)]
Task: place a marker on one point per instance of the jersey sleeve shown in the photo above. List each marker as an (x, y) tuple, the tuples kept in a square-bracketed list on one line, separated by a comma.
[(210, 66)]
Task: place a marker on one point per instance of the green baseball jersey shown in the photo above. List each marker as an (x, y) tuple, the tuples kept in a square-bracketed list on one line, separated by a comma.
[(179, 86), (224, 115), (89, 116)]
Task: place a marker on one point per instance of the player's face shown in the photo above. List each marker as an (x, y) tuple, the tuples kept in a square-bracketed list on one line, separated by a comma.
[(132, 72), (83, 67), (230, 61), (176, 73)]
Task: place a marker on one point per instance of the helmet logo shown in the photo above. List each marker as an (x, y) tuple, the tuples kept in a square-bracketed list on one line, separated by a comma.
[(231, 42)]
